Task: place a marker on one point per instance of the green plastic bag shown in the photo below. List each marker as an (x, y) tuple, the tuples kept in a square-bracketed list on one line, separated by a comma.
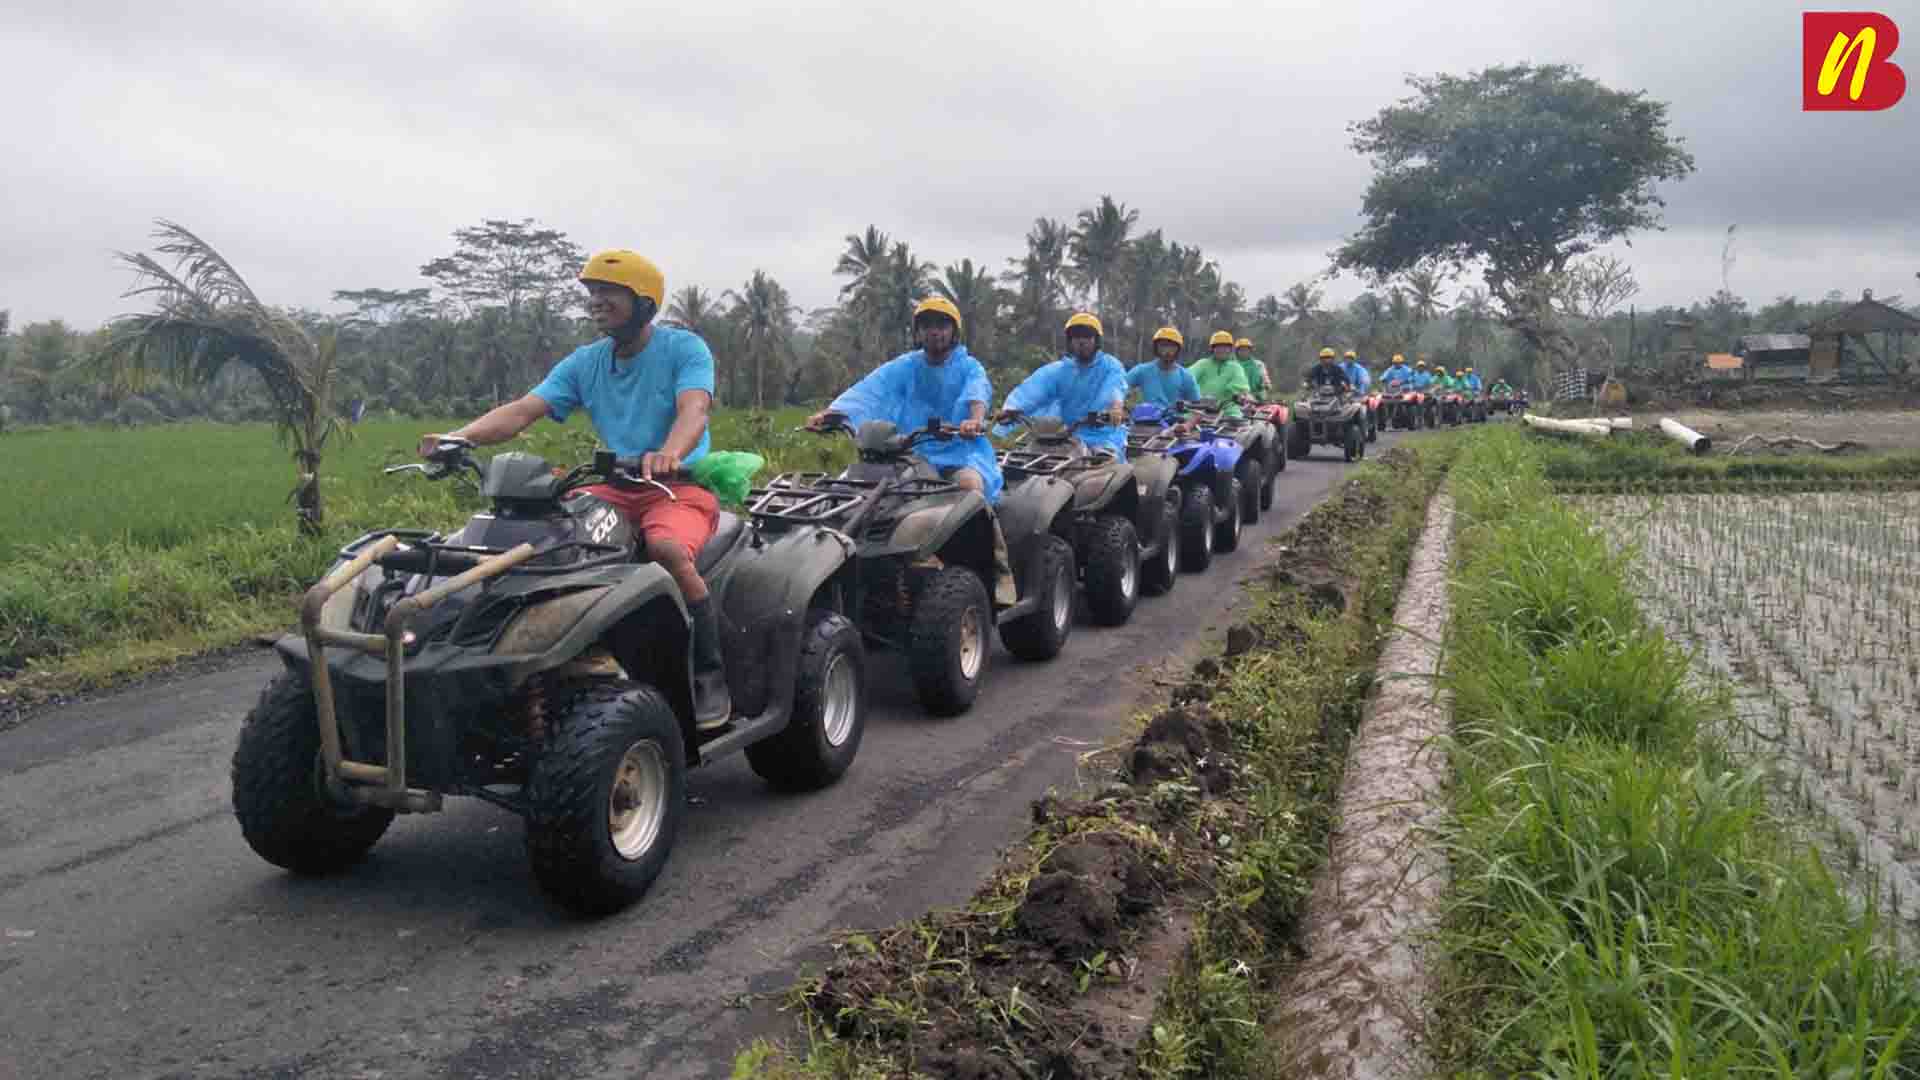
[(728, 474)]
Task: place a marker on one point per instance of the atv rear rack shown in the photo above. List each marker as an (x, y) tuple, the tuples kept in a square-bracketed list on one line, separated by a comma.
[(381, 785), (820, 499), (1045, 463)]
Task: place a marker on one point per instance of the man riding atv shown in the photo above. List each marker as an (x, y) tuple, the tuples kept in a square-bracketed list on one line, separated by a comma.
[(1357, 376), (1398, 371), (1257, 383), (1162, 380), (647, 389), (942, 379), (1221, 377), (1086, 380), (1329, 373)]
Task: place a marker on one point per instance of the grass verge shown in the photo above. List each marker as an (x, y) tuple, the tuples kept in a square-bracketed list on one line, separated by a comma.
[(1625, 902), (183, 542), (1183, 877)]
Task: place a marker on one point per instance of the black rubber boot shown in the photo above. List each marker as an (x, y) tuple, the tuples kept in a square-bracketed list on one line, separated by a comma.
[(712, 703)]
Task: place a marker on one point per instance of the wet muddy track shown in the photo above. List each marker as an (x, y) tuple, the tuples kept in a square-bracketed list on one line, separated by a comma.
[(139, 937)]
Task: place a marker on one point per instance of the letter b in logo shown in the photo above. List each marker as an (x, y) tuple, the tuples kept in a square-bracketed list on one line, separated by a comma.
[(1847, 65)]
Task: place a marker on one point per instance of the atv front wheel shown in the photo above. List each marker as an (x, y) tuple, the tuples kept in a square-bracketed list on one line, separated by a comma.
[(1158, 575), (1196, 529), (606, 797), (1226, 535), (1041, 634), (1113, 569), (948, 642), (1252, 481), (829, 709), (280, 795), (1356, 444), (1299, 440)]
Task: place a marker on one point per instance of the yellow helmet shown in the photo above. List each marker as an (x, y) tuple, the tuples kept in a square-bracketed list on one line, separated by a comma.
[(622, 267), (1459, 371), (1351, 355), (938, 305), (1243, 343), (1469, 371), (1326, 354), (1089, 321), (1220, 337), (1398, 359), (1168, 333), (1420, 363)]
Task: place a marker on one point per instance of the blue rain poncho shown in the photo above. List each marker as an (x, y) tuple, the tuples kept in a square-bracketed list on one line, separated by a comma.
[(1163, 386), (907, 390), (1400, 372), (1357, 375), (1473, 382), (1422, 378), (1068, 390)]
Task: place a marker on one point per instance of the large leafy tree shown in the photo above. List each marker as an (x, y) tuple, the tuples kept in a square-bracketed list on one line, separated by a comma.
[(1516, 170), (206, 317), (517, 281)]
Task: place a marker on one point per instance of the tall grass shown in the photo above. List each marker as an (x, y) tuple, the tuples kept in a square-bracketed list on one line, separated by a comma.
[(1648, 457), (182, 534), (1625, 904)]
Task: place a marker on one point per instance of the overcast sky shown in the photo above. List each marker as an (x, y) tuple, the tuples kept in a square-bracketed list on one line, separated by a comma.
[(337, 145)]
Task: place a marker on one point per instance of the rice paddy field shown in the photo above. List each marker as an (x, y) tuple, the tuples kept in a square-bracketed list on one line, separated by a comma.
[(125, 547), (1807, 607)]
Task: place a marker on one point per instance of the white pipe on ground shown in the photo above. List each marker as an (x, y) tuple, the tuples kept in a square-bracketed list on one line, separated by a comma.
[(1621, 423), (1594, 428), (1679, 432)]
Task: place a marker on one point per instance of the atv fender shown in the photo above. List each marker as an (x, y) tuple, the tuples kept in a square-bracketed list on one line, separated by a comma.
[(1029, 510), (1153, 475), (769, 587), (556, 632), (1108, 490), (926, 530)]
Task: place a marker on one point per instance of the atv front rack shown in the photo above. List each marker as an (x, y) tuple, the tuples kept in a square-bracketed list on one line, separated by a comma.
[(381, 785)]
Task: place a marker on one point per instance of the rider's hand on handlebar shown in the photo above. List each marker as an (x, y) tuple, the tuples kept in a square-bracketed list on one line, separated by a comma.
[(971, 427), (430, 443), (658, 463)]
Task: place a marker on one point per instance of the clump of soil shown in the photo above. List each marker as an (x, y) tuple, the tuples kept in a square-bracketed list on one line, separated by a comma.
[(1085, 890)]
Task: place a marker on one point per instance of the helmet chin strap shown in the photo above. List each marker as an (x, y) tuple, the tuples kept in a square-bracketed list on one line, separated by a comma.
[(628, 332)]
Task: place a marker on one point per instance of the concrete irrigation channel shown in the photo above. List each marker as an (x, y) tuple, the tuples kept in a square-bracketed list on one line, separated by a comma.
[(142, 938)]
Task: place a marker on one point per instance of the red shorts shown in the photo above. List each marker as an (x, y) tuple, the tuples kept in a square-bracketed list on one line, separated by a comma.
[(690, 521)]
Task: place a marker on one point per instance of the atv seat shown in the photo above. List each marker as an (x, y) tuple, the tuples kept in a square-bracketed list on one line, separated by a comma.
[(725, 535)]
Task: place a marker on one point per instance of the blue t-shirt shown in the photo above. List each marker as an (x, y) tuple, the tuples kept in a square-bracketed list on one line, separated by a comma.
[(1357, 375), (1163, 387), (632, 402)]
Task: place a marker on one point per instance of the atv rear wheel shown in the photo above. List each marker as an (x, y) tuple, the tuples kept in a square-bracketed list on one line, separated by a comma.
[(606, 797), (1158, 574), (1041, 634), (280, 795), (1226, 535), (1252, 481), (1196, 529), (948, 643), (1113, 569), (829, 709)]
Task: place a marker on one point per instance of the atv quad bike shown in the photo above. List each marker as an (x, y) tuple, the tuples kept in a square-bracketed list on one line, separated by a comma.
[(933, 571), (1375, 403), (1453, 408), (533, 660), (1330, 418), (1402, 408), (1208, 478), (1263, 452), (1116, 532)]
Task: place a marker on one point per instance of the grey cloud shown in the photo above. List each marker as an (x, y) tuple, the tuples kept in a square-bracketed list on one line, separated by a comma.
[(333, 146)]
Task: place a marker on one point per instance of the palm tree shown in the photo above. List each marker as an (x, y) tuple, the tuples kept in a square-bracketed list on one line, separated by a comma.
[(206, 316), (763, 319), (1472, 315), (1146, 283), (865, 252), (1039, 275), (973, 291), (697, 310), (1424, 288), (1099, 241), (907, 281)]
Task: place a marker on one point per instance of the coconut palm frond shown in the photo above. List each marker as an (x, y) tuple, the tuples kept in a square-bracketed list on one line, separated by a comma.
[(169, 291), (210, 275)]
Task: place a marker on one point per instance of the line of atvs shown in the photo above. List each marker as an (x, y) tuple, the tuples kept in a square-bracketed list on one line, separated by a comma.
[(529, 660), (1399, 407)]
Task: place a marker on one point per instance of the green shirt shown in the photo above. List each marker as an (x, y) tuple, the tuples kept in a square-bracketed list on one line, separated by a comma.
[(1256, 376), (1222, 381)]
